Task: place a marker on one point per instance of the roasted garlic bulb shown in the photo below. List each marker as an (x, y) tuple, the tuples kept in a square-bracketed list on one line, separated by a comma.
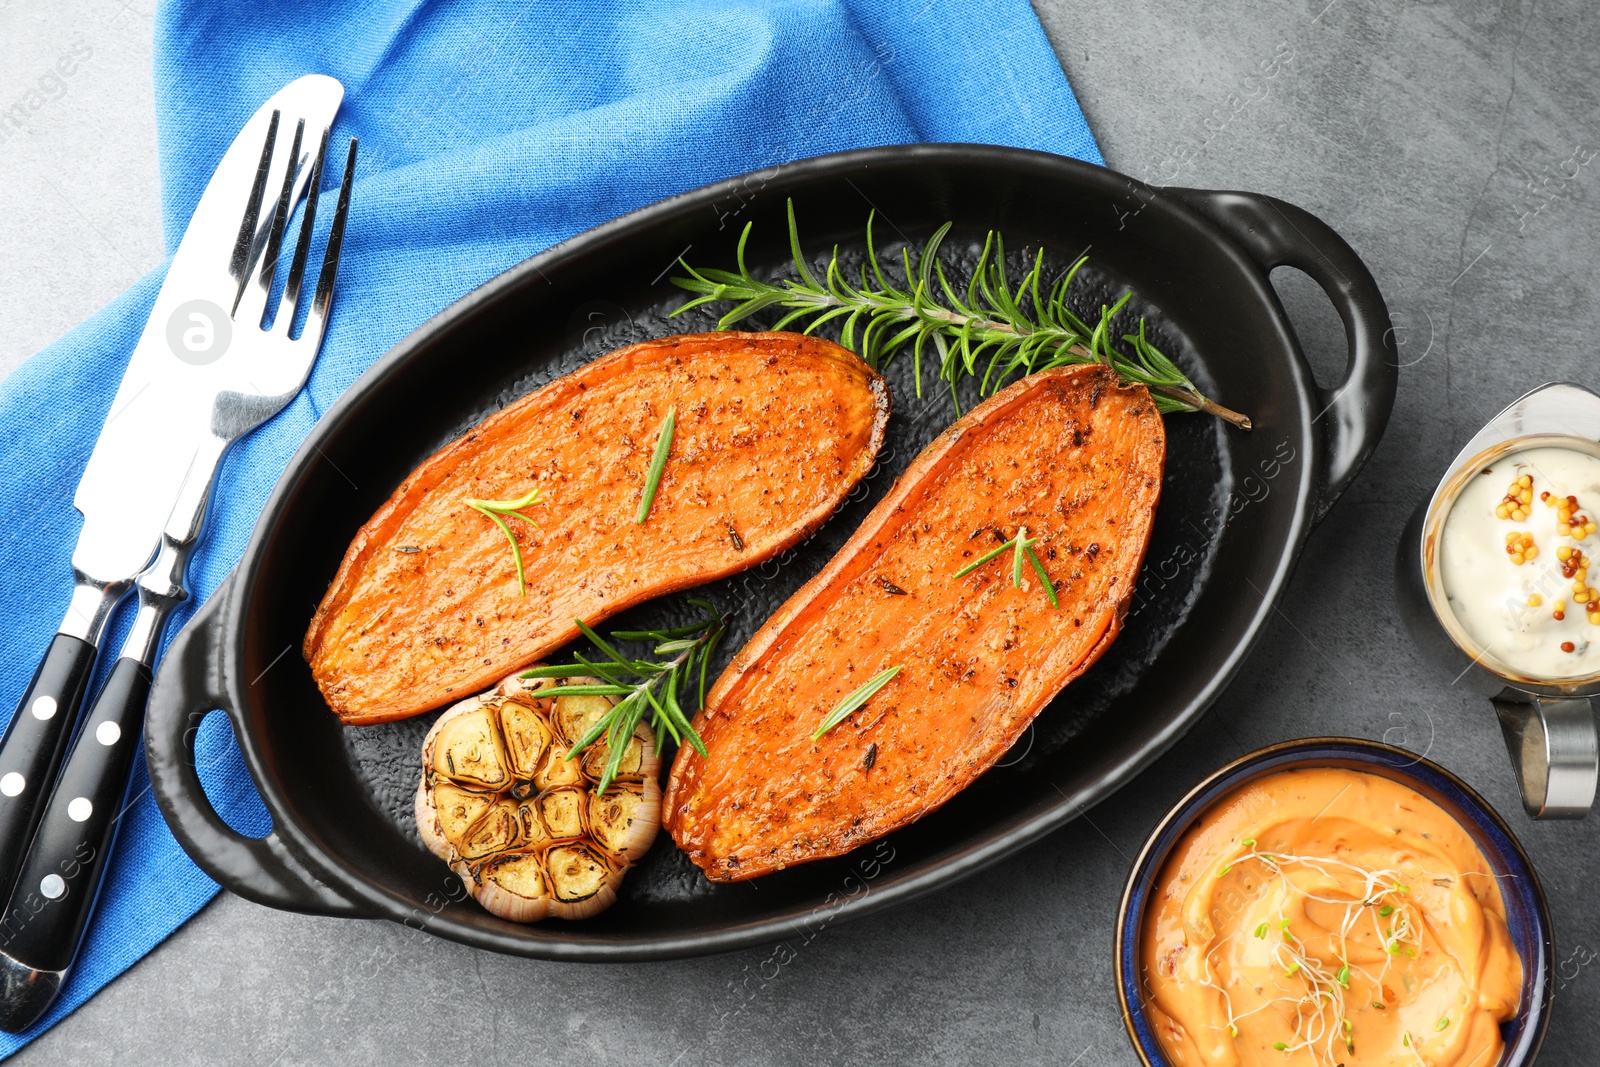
[(522, 825)]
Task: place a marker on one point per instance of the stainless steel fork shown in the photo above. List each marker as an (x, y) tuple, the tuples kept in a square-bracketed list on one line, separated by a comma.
[(267, 364)]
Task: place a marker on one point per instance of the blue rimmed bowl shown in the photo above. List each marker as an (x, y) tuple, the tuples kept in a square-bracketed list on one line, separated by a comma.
[(1527, 914)]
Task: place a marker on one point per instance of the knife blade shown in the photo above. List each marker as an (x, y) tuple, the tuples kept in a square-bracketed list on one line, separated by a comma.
[(157, 420)]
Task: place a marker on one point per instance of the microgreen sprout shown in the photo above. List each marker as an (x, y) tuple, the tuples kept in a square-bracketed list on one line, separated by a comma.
[(1316, 1004)]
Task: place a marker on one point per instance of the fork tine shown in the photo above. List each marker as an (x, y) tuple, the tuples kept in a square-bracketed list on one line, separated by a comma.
[(239, 264), (289, 303), (317, 320), (280, 219)]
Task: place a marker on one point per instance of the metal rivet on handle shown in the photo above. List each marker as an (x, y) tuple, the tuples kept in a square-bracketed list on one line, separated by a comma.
[(108, 733), (80, 809), (52, 886), (44, 708), (12, 784)]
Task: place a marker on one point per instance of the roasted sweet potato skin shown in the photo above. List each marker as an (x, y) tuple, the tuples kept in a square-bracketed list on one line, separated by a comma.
[(1072, 455), (773, 431)]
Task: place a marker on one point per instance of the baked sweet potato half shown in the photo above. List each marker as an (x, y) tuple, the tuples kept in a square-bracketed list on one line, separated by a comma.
[(772, 431), (1071, 455)]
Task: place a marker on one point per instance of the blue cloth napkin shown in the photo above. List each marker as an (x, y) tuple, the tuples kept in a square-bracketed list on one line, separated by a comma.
[(488, 132)]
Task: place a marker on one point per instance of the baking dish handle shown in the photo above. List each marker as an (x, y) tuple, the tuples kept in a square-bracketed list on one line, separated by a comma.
[(1275, 233), (189, 684)]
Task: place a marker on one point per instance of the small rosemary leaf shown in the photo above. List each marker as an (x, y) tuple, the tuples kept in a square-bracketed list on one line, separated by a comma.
[(706, 605), (669, 699), (533, 497), (516, 549), (902, 337), (872, 254), (1049, 586), (699, 301), (705, 659), (601, 643), (686, 630), (850, 703), (606, 670), (1019, 545), (744, 239), (930, 256), (600, 726), (728, 281), (564, 670), (825, 318), (660, 709), (800, 264), (658, 464), (693, 737), (944, 284), (838, 288), (981, 291), (981, 560), (586, 691), (916, 356), (617, 743), (792, 317), (847, 335), (676, 645), (756, 303), (1039, 306)]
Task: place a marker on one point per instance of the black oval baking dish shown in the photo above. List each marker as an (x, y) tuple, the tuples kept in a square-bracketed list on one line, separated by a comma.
[(1235, 511)]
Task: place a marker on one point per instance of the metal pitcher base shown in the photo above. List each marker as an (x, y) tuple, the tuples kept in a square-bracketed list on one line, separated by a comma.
[(1553, 750)]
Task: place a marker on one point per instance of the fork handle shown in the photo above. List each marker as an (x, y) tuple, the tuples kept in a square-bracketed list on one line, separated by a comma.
[(66, 862), (35, 742), (49, 906)]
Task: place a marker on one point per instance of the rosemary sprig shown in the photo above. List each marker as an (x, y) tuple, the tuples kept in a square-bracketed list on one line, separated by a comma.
[(991, 329), (658, 464), (1021, 547), (657, 687), (494, 510), (854, 701)]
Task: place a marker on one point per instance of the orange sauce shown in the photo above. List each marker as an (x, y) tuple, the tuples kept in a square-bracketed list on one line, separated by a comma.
[(1326, 916)]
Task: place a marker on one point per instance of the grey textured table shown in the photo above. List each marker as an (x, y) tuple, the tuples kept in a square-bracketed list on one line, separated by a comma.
[(1441, 139)]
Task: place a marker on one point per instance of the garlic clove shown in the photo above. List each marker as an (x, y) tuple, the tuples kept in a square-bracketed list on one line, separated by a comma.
[(527, 735), (515, 888), (496, 831), (556, 770), (624, 819), (457, 809), (466, 747), (531, 829), (581, 882), (574, 715), (428, 819), (563, 811), (632, 763)]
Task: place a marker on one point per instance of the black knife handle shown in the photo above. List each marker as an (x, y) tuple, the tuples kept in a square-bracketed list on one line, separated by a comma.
[(66, 863), (34, 744)]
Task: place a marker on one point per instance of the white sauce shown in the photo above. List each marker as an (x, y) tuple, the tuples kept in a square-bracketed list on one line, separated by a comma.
[(1489, 593)]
